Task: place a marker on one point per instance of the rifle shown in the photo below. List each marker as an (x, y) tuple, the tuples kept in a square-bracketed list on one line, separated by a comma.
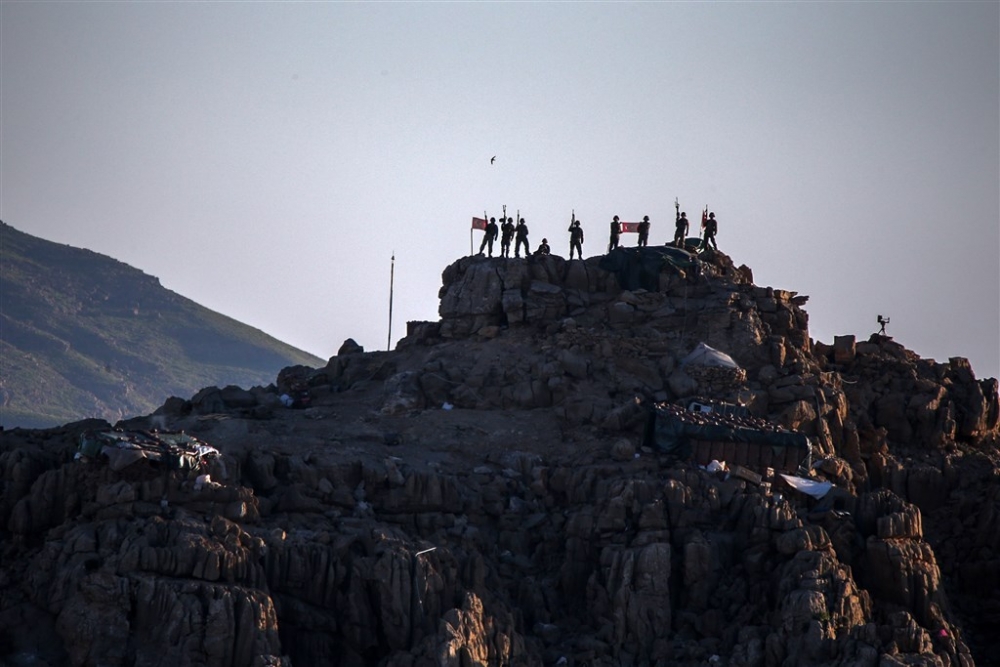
[(677, 209)]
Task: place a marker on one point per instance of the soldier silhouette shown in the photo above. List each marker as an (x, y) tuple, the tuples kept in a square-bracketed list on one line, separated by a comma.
[(616, 231), (521, 232), (681, 230), (576, 239), (507, 233), (489, 237), (544, 248), (711, 227), (644, 231)]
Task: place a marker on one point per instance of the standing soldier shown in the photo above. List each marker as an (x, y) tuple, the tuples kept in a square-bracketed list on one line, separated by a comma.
[(489, 237), (575, 239), (644, 231), (522, 237), (505, 237), (711, 227), (681, 231), (616, 231)]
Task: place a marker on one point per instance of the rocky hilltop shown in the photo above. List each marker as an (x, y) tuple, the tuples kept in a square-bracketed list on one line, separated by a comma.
[(488, 493)]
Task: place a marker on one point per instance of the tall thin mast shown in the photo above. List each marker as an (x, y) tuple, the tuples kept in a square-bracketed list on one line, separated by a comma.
[(392, 271)]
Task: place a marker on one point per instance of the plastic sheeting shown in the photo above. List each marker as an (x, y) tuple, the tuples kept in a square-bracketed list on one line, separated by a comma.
[(123, 448), (809, 487), (704, 355), (669, 434), (640, 267), (673, 430)]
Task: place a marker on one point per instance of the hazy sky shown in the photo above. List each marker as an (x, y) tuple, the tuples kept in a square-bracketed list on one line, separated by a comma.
[(267, 159)]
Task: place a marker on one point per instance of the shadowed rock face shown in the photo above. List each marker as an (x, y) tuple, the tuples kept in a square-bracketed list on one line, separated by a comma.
[(482, 495)]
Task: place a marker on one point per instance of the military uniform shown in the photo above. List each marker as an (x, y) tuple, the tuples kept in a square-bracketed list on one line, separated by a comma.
[(506, 236), (616, 232), (521, 232), (644, 231), (681, 232), (711, 227), (489, 237), (576, 239)]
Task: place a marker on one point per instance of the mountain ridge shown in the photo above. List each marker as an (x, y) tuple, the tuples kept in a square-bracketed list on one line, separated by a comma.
[(85, 335)]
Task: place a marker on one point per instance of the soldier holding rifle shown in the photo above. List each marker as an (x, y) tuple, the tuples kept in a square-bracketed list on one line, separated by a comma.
[(507, 233), (682, 227), (575, 237)]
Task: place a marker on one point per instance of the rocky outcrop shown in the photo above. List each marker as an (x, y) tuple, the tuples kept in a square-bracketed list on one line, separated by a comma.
[(606, 562), (483, 495)]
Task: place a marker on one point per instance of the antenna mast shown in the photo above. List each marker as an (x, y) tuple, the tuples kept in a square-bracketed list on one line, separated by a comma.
[(392, 271)]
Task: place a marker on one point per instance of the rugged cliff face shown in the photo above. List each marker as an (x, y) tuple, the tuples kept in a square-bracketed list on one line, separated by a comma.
[(483, 495)]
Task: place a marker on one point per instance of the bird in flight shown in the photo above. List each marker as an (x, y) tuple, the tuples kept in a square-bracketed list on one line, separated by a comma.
[(493, 159)]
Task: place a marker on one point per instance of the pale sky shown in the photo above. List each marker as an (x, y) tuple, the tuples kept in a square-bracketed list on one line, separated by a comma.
[(267, 159)]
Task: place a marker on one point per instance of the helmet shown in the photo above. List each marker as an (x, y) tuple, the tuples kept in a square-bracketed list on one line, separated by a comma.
[(545, 240), (645, 218), (616, 218)]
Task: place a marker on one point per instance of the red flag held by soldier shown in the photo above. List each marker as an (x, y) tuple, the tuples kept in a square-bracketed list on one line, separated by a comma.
[(630, 227), (479, 223)]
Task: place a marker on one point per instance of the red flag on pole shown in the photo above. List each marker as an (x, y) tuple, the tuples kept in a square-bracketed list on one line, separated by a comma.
[(630, 227), (704, 217), (479, 223)]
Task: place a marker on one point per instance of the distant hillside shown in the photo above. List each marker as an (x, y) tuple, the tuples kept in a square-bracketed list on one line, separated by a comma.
[(83, 335)]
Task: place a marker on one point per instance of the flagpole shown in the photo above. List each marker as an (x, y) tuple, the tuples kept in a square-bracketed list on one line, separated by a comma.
[(392, 271)]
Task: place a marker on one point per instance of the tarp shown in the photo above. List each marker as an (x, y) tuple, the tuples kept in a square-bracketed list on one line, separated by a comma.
[(672, 429), (810, 487), (639, 268), (704, 355), (123, 448)]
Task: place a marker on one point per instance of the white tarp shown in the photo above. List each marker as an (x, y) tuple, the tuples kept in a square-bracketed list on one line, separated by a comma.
[(703, 355), (808, 486)]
